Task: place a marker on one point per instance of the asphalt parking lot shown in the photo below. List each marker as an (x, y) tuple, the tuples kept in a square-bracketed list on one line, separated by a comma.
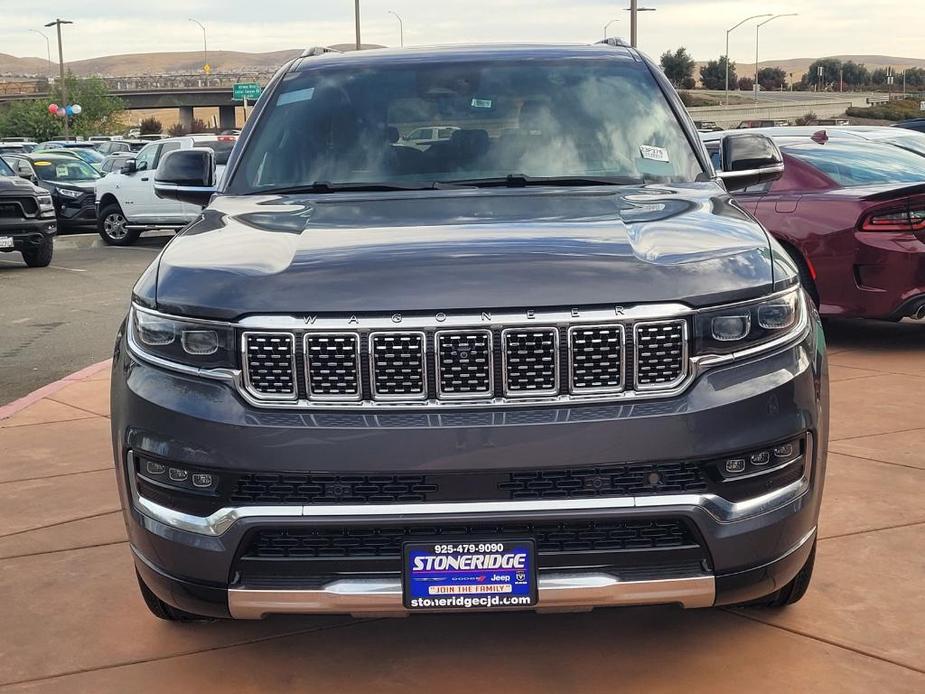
[(61, 318)]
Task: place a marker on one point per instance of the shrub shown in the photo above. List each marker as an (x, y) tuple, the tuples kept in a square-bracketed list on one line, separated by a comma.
[(806, 119), (900, 109), (151, 126)]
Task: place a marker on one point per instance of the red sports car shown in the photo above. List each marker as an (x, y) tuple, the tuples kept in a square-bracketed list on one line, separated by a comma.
[(852, 214)]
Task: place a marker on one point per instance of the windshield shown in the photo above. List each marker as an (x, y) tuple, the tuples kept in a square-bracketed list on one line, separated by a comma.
[(463, 121), (5, 169), (64, 170), (862, 163)]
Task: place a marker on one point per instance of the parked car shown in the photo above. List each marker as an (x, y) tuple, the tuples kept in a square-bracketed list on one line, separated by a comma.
[(706, 126), (65, 144), (12, 148), (85, 154), (125, 197), (770, 123), (917, 124), (27, 219), (115, 162), (851, 212), (68, 179), (26, 145), (113, 146), (423, 138), (152, 137), (559, 360)]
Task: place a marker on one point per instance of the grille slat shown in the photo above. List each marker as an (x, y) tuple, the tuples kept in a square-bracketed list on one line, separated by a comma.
[(596, 358), (398, 364), (270, 370), (661, 354), (464, 364), (333, 366), (531, 361)]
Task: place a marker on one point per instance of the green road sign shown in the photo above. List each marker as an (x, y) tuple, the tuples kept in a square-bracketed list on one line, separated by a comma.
[(246, 90)]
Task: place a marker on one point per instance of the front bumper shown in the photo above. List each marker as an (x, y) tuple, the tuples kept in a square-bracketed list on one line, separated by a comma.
[(27, 232), (76, 211), (750, 547)]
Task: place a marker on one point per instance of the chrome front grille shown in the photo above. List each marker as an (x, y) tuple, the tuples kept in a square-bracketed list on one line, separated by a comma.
[(464, 364), (661, 354), (398, 365), (270, 372), (531, 361), (332, 366), (456, 362), (596, 363)]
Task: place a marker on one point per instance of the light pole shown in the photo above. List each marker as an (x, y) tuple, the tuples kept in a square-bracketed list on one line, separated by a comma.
[(47, 46), (633, 9), (726, 54), (607, 26), (205, 48), (757, 27), (356, 19), (57, 23), (401, 27)]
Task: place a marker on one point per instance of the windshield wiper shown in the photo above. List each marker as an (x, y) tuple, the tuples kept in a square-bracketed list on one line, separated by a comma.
[(374, 187), (519, 180)]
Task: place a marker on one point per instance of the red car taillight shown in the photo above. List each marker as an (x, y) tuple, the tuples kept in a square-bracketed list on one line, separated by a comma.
[(909, 217)]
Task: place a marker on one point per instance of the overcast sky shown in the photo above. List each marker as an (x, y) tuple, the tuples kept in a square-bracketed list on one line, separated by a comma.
[(823, 27)]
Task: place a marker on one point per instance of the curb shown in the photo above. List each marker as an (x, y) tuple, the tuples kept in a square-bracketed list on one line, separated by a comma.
[(12, 408), (71, 242)]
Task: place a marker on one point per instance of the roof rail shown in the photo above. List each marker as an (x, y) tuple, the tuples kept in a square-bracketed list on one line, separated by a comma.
[(615, 41), (317, 50)]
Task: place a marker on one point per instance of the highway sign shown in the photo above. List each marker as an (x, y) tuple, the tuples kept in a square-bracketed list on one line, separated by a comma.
[(246, 90)]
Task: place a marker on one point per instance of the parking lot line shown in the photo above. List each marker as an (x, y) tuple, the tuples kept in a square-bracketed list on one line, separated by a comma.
[(53, 267)]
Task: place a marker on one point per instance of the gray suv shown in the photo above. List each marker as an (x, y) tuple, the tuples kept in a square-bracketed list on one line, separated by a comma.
[(547, 362)]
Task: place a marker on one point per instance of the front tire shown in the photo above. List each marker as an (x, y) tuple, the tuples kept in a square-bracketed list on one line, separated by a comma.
[(113, 226), (162, 610), (39, 255)]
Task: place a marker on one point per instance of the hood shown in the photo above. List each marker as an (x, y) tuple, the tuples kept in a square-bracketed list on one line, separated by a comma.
[(85, 186), (19, 186), (467, 249)]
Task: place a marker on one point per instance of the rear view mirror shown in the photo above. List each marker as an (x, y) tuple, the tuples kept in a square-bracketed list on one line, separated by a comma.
[(749, 159), (186, 175)]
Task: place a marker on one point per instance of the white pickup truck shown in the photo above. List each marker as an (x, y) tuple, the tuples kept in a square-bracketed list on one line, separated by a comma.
[(125, 201)]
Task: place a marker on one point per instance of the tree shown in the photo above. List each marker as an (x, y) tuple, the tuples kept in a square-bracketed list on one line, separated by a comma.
[(688, 83), (772, 78), (151, 126), (713, 74), (830, 72), (855, 74), (745, 84), (677, 66)]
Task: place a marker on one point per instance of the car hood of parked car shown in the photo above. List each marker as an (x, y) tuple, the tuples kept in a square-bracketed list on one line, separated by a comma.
[(17, 185), (461, 249)]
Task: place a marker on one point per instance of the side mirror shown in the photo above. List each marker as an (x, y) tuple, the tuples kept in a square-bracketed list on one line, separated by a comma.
[(186, 175), (128, 167), (749, 159)]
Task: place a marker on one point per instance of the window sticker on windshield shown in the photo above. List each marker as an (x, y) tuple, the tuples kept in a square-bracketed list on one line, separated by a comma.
[(61, 171), (295, 96), (654, 153), (481, 103), (42, 163)]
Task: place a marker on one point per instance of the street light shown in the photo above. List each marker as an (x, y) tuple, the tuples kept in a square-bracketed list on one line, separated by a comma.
[(729, 31), (401, 27), (57, 23), (757, 27), (47, 46), (607, 26), (633, 9), (205, 49)]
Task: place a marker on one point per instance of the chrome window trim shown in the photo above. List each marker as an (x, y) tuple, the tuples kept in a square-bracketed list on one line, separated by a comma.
[(491, 365), (520, 394), (685, 356), (696, 364), (215, 524), (270, 397), (571, 361), (307, 363), (405, 398)]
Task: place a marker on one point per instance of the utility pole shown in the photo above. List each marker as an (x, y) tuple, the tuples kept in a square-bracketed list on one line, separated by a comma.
[(356, 16), (726, 54), (57, 23), (401, 27), (633, 9)]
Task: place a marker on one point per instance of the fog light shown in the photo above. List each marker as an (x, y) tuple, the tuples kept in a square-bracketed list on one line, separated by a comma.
[(731, 328), (735, 465), (153, 468), (202, 480), (177, 475), (760, 458), (783, 451)]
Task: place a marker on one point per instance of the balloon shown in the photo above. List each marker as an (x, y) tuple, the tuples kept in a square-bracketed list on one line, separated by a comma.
[(76, 108), (52, 108), (69, 111), (61, 113)]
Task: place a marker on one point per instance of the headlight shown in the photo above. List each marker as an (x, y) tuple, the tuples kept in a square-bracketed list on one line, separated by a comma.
[(196, 343), (68, 193), (46, 205), (740, 326)]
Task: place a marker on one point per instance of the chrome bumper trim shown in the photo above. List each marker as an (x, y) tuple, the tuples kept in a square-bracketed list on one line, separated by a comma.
[(557, 591), (218, 522)]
